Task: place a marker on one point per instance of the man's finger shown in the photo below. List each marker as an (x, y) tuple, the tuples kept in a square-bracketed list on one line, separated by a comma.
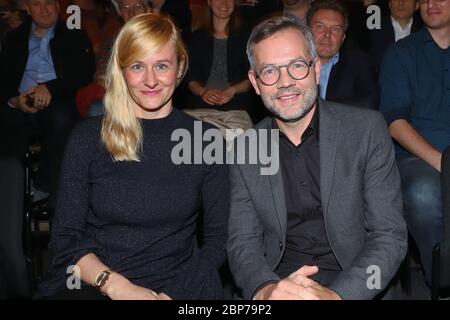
[(306, 271), (302, 280)]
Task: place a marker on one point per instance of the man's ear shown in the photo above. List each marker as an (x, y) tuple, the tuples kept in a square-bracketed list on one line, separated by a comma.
[(252, 77)]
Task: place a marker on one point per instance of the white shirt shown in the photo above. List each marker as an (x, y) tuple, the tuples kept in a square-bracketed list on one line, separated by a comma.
[(400, 33)]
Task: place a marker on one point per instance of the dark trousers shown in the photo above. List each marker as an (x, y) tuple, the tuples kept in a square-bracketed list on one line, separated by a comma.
[(14, 281), (422, 201), (53, 125)]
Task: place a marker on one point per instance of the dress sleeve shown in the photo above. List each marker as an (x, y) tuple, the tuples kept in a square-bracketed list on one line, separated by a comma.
[(69, 237)]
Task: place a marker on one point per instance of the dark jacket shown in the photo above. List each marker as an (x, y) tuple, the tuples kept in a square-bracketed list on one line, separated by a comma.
[(351, 81), (201, 52), (72, 56), (381, 39)]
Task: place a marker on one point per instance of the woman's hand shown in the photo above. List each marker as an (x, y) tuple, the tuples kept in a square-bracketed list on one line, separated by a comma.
[(120, 288), (227, 95), (212, 96)]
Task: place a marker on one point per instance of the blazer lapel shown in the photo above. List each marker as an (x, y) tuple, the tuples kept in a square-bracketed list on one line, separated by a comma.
[(277, 188), (275, 183), (329, 131)]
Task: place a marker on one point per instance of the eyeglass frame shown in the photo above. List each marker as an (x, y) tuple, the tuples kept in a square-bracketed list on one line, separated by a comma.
[(278, 68)]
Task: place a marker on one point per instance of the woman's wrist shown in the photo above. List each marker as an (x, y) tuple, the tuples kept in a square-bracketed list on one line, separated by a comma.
[(114, 284)]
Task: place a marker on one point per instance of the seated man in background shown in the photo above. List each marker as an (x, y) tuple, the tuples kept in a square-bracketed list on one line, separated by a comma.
[(297, 8), (415, 99), (400, 23), (42, 65), (345, 75)]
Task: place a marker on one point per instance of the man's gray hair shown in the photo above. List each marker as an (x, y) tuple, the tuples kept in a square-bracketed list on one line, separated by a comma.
[(270, 26)]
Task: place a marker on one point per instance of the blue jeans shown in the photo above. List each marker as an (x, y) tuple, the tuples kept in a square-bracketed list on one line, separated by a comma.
[(422, 201)]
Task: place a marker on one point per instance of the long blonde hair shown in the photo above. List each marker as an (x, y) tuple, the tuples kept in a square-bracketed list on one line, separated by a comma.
[(142, 35)]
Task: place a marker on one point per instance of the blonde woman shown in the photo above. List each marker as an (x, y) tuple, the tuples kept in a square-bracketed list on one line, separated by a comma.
[(127, 216)]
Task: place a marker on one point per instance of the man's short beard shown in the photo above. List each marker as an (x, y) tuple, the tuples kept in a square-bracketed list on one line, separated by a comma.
[(309, 99)]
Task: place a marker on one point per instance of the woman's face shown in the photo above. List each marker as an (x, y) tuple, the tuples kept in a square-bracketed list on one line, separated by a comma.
[(221, 8), (152, 80)]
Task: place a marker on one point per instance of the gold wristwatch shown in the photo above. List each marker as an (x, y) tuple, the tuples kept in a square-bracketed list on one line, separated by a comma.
[(101, 280)]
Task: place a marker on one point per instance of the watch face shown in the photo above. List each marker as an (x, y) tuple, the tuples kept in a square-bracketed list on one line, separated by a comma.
[(102, 278)]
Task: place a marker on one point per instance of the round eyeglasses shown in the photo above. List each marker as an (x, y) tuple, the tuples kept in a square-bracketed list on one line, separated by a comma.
[(297, 69)]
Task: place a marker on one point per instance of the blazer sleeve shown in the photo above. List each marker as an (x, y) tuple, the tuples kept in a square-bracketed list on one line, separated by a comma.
[(385, 242), (246, 255)]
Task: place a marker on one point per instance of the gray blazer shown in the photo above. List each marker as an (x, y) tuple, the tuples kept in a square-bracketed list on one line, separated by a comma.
[(361, 201)]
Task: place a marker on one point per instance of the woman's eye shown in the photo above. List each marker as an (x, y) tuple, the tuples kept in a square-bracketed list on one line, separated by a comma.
[(161, 67), (136, 67)]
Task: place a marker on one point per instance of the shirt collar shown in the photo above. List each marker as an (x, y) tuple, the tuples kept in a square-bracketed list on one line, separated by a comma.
[(408, 26), (334, 59), (48, 33)]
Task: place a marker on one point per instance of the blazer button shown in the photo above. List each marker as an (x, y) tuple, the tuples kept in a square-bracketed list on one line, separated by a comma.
[(281, 245)]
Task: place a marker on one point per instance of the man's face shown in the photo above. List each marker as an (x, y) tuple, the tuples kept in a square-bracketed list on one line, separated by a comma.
[(130, 8), (327, 27), (288, 99), (43, 12), (435, 14), (403, 9)]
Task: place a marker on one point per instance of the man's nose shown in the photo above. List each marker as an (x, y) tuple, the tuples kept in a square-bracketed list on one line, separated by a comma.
[(285, 79)]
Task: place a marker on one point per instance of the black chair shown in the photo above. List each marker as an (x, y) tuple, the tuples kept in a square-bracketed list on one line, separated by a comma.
[(36, 214), (440, 277), (15, 281)]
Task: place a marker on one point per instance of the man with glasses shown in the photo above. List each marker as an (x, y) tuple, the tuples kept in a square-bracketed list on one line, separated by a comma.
[(345, 75), (415, 99), (328, 224)]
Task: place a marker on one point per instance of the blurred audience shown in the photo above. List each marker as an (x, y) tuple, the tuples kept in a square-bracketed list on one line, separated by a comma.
[(415, 99), (401, 21), (297, 8), (179, 11), (345, 75), (253, 11), (39, 75), (217, 77)]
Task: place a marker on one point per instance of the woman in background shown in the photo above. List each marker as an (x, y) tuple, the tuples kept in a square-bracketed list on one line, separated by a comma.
[(217, 77)]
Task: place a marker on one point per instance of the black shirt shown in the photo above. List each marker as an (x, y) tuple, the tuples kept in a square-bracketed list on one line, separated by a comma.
[(306, 241)]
